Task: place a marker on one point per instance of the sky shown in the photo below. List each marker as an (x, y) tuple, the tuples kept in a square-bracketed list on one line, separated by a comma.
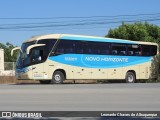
[(64, 16)]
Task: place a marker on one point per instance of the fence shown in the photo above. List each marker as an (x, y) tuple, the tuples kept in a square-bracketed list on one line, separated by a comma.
[(8, 75), (9, 69)]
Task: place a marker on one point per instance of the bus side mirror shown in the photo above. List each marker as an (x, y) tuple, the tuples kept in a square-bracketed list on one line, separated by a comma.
[(33, 46), (16, 48)]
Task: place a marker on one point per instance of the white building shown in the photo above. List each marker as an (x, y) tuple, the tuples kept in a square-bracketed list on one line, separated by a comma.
[(4, 72), (1, 61)]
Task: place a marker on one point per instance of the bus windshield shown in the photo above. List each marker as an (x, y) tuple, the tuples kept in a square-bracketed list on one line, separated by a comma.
[(36, 55), (23, 55)]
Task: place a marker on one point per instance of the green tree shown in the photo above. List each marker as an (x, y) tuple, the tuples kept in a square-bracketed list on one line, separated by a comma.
[(7, 52), (137, 32)]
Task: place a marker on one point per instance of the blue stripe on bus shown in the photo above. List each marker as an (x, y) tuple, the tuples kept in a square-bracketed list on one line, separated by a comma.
[(97, 39), (99, 61)]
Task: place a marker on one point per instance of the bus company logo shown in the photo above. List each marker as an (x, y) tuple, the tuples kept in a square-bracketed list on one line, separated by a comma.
[(6, 114)]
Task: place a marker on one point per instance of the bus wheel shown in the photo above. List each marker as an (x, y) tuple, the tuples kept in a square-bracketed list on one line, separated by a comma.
[(58, 77), (45, 81), (130, 77)]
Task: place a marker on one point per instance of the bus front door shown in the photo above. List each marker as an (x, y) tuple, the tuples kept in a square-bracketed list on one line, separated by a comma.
[(39, 68)]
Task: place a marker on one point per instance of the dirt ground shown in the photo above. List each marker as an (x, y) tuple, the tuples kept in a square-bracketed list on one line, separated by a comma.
[(11, 79)]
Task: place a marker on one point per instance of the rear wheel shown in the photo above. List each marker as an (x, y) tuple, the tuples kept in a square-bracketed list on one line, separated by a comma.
[(45, 81), (58, 77), (130, 77)]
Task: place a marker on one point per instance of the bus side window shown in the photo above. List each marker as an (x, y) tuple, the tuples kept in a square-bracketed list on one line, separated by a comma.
[(41, 54), (97, 51), (130, 52), (153, 50), (88, 47), (60, 48), (37, 55), (137, 53), (69, 50), (80, 51), (114, 52), (65, 47), (122, 52), (149, 50), (89, 51), (134, 50), (101, 48), (79, 47), (104, 52), (59, 51), (118, 49), (145, 50)]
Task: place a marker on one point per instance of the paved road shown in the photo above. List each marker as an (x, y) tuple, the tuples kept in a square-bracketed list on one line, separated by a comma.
[(80, 97)]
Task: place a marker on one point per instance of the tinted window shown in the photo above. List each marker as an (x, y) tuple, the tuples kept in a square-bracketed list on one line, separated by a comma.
[(104, 48), (49, 43), (153, 50), (65, 47), (145, 50), (118, 49), (37, 55), (101, 48), (88, 48), (80, 47), (134, 50), (149, 50), (45, 50), (95, 48), (25, 45)]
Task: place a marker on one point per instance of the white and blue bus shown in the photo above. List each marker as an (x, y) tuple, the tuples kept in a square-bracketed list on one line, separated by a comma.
[(54, 58)]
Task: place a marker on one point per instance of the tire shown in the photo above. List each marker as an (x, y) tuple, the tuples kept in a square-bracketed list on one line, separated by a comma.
[(58, 77), (45, 81), (130, 77)]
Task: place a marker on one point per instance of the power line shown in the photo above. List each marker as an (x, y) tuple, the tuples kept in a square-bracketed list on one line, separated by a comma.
[(79, 21), (83, 20), (78, 17), (72, 24)]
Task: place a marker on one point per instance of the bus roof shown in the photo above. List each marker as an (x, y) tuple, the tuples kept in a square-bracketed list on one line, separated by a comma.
[(86, 38)]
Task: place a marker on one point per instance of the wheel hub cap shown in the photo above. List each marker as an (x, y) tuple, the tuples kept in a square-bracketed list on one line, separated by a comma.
[(57, 77), (130, 78)]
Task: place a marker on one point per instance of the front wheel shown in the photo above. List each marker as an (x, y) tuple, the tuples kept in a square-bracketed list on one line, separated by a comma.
[(58, 77), (130, 77)]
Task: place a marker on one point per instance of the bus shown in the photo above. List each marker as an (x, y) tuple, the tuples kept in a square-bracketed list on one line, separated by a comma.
[(54, 58)]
